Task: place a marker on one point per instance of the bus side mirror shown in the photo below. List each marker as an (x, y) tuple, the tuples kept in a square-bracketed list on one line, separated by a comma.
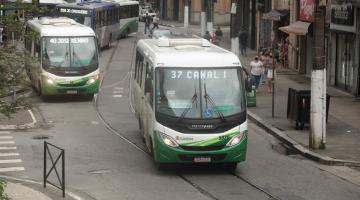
[(248, 87)]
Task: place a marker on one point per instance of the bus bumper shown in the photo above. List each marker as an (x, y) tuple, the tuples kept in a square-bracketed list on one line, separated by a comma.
[(167, 154), (53, 89)]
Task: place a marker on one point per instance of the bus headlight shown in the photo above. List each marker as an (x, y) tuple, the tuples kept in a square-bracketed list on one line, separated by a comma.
[(93, 79), (236, 139), (49, 80), (168, 140)]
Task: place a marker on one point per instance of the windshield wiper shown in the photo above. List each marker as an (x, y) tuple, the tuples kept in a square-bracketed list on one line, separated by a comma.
[(186, 110), (213, 105)]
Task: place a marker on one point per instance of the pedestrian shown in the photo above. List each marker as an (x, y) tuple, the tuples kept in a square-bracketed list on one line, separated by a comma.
[(218, 35), (207, 36), (263, 58), (147, 21), (256, 69), (243, 41), (155, 22), (270, 72)]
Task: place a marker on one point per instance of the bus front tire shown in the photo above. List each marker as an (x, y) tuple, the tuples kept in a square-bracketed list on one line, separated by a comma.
[(231, 166)]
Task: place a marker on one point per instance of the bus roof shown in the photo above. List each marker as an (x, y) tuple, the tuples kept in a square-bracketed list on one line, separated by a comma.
[(88, 5), (58, 27), (186, 52)]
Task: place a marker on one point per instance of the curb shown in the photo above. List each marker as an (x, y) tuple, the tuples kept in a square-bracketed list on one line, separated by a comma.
[(21, 126), (280, 135), (35, 184), (168, 25)]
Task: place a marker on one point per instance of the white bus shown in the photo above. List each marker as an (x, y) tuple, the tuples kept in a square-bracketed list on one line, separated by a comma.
[(109, 19), (65, 57), (189, 98)]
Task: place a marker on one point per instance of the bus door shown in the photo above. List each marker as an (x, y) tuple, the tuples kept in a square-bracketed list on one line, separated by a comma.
[(148, 103), (143, 99)]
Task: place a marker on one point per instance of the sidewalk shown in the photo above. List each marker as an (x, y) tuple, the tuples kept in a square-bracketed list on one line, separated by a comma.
[(343, 127)]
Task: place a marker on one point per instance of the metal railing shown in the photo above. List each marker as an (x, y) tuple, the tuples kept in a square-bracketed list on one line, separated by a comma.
[(53, 166)]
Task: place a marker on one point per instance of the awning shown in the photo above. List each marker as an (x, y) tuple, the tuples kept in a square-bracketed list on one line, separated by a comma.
[(297, 28), (275, 15)]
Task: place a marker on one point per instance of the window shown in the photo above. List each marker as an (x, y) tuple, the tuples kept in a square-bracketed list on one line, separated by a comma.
[(138, 66)]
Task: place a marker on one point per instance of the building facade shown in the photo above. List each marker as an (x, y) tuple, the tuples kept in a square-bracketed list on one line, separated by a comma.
[(344, 54), (174, 10)]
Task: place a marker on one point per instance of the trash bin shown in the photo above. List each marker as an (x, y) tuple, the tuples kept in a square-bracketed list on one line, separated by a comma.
[(251, 97), (298, 107)]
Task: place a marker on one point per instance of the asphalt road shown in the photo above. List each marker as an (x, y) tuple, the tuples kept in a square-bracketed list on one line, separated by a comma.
[(106, 159)]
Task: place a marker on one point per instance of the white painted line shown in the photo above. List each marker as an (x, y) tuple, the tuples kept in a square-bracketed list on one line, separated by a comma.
[(7, 148), (117, 96), (118, 88), (7, 142), (10, 161), (12, 169), (9, 154), (6, 137), (117, 92), (4, 132)]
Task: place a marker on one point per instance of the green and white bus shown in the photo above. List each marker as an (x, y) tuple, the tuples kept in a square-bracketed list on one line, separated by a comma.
[(110, 19), (65, 57), (189, 98)]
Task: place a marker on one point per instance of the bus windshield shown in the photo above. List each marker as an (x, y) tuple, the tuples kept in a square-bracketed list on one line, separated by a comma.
[(199, 93), (69, 52)]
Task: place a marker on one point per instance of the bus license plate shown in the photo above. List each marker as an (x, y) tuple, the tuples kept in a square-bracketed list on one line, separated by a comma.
[(202, 159), (71, 92)]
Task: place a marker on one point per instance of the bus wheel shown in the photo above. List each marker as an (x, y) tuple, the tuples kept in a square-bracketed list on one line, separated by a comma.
[(141, 130), (109, 43), (38, 89), (231, 166)]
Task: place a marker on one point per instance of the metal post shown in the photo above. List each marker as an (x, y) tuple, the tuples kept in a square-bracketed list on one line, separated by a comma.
[(63, 172), (273, 83), (45, 146), (235, 13)]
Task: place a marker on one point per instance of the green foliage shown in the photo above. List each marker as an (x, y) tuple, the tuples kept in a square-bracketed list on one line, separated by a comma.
[(3, 196), (12, 76)]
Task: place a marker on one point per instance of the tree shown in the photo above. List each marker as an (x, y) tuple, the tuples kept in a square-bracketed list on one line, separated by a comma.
[(12, 58)]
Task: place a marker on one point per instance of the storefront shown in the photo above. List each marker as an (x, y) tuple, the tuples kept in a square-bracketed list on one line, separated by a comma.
[(344, 72)]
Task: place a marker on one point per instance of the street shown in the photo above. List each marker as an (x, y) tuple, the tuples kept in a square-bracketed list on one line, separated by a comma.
[(106, 158)]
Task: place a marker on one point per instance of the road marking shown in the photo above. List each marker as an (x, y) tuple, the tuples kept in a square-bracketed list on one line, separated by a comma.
[(11, 169), (10, 161), (9, 154), (6, 137), (117, 96), (117, 92), (7, 142), (4, 132), (7, 148)]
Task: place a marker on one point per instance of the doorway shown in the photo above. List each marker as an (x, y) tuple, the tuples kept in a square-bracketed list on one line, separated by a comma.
[(345, 57)]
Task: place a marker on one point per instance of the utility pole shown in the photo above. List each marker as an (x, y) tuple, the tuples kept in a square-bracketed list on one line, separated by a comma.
[(186, 13), (234, 29), (317, 137), (210, 16), (203, 17)]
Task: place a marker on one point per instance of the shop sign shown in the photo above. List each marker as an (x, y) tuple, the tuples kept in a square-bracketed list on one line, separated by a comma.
[(307, 10), (342, 14), (343, 17)]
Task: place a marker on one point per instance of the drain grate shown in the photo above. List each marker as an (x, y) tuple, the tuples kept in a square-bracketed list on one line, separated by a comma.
[(42, 137)]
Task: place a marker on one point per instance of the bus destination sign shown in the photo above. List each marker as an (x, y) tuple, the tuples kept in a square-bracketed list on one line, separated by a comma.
[(74, 11)]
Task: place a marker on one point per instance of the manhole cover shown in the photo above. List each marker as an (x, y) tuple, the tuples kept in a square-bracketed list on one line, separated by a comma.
[(42, 137)]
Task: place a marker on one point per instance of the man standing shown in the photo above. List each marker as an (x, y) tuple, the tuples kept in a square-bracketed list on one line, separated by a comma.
[(256, 69), (147, 21), (243, 41)]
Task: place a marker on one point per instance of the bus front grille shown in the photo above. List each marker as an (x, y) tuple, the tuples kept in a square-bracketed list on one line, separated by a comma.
[(204, 148)]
